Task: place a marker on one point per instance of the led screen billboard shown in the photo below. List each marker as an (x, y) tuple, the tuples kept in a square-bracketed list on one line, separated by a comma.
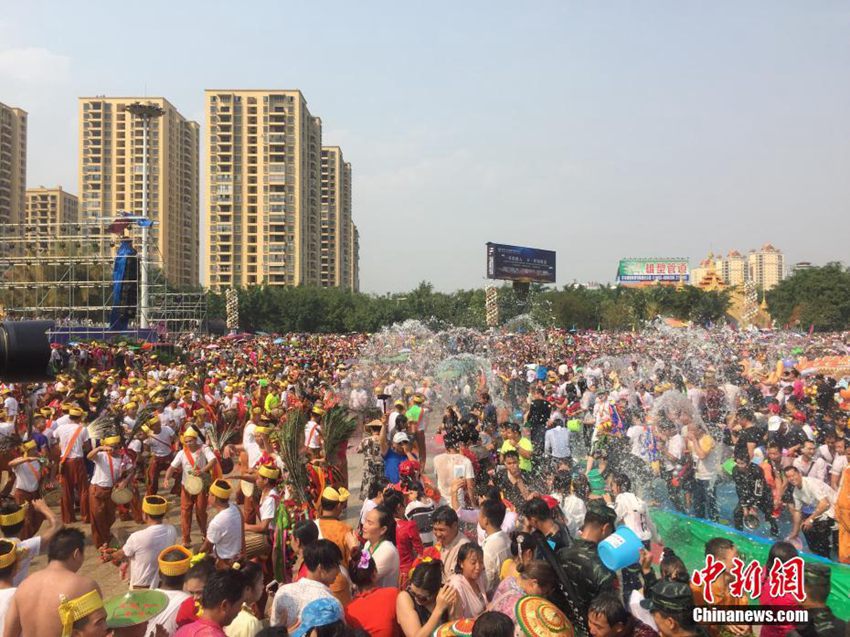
[(517, 263)]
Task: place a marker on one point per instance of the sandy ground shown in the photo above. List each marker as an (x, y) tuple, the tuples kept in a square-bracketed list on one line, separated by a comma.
[(108, 575)]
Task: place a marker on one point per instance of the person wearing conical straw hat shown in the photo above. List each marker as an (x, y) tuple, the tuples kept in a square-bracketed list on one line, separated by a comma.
[(108, 471), (195, 460), (74, 442), (143, 547), (129, 614), (27, 470), (33, 609)]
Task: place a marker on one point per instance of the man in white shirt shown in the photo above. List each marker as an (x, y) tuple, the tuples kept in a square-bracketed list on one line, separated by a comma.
[(557, 441), (225, 533), (313, 440), (673, 450), (358, 401), (143, 547), (398, 410), (839, 464), (8, 557), (637, 433), (497, 543), (813, 511), (73, 442), (194, 459), (109, 469), (159, 440), (811, 466), (706, 456), (267, 477), (12, 523), (632, 512), (27, 474), (250, 439), (10, 404), (322, 559), (453, 465)]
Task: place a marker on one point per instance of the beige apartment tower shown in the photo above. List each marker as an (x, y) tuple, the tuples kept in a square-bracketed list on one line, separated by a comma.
[(51, 212), (766, 266), (732, 268), (13, 164), (336, 228), (110, 177), (264, 184), (355, 258)]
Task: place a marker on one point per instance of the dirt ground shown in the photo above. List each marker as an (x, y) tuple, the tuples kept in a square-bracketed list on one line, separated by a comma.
[(109, 576)]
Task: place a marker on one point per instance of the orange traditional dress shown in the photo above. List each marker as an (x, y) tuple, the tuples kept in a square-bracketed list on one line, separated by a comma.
[(842, 516)]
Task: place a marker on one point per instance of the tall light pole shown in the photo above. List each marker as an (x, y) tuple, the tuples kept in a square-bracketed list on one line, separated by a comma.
[(145, 112)]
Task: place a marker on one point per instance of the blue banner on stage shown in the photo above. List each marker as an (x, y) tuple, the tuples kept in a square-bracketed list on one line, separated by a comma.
[(125, 286)]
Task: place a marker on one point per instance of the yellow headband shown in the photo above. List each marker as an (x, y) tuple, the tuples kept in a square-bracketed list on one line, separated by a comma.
[(190, 433), (335, 496), (11, 519), (130, 406), (179, 567), (76, 412), (7, 559), (112, 440), (74, 610), (219, 491), (28, 444), (259, 429), (318, 411), (154, 505), (272, 473)]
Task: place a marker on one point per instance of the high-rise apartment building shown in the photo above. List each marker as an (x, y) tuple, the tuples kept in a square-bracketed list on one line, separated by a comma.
[(732, 268), (110, 177), (766, 266), (336, 225), (13, 164), (355, 258), (264, 184), (50, 212)]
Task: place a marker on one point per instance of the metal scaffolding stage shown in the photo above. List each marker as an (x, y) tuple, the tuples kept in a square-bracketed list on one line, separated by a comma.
[(67, 276)]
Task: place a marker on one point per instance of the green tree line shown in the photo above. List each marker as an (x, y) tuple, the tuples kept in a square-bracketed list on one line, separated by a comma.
[(814, 297), (314, 309)]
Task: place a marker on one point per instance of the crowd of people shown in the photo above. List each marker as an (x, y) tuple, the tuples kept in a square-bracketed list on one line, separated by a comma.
[(491, 468)]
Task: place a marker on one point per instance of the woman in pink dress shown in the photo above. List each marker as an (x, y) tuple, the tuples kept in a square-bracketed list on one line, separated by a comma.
[(468, 581)]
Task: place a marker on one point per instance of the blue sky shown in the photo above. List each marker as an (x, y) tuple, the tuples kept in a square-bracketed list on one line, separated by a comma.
[(599, 130)]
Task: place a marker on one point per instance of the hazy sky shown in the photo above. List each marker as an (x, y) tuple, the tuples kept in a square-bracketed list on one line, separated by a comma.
[(599, 130)]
